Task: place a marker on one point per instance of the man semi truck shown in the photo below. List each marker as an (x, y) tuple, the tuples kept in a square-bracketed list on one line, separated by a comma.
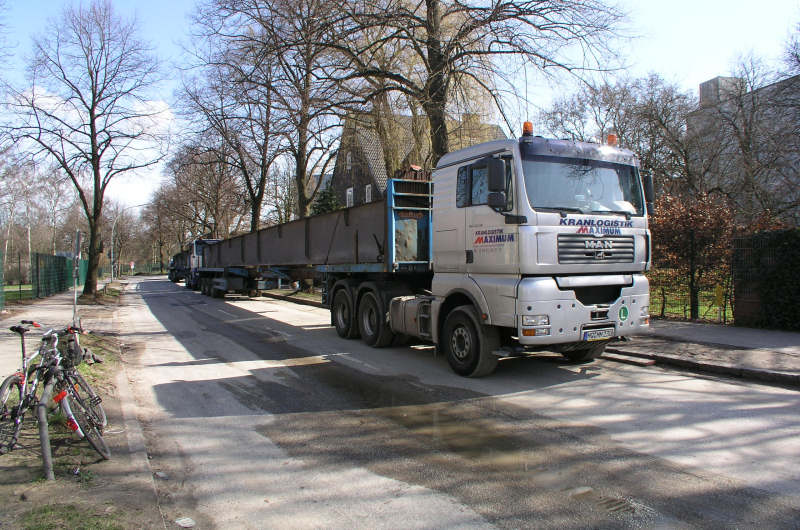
[(515, 246)]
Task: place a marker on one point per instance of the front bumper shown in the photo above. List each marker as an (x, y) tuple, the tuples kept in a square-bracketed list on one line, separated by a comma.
[(569, 319)]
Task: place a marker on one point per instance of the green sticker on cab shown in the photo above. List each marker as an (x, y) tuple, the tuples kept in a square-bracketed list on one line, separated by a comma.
[(623, 313)]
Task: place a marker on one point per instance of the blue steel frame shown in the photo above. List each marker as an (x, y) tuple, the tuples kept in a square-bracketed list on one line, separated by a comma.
[(391, 217), (391, 212)]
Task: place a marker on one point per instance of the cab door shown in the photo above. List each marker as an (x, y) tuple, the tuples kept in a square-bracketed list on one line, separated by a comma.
[(491, 244)]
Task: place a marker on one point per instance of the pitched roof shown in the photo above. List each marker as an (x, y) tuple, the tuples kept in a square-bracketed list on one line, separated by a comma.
[(465, 133)]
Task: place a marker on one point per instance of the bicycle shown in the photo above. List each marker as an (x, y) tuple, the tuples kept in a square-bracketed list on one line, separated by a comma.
[(18, 394), (74, 354)]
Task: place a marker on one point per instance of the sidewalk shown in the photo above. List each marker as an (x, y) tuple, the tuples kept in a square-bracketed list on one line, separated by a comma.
[(129, 466), (758, 354), (54, 311)]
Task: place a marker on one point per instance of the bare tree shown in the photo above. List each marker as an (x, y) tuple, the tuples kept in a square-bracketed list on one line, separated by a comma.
[(306, 100), (281, 197), (757, 121), (791, 53), (456, 41), (233, 97), (86, 109), (55, 195), (650, 117), (205, 194)]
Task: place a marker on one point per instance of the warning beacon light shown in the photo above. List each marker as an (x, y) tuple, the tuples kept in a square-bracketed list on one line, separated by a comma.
[(527, 129)]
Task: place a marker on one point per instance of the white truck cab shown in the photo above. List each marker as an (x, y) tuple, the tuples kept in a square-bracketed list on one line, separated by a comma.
[(547, 241)]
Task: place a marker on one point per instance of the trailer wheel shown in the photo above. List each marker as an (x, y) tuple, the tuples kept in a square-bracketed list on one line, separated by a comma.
[(584, 353), (469, 346), (372, 325), (342, 310)]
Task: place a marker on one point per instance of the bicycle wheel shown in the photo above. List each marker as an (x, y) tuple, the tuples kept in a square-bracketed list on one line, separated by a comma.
[(88, 398), (11, 412), (85, 420)]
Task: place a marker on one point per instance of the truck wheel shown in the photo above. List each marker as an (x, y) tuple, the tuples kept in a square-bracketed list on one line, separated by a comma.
[(585, 353), (372, 323), (468, 346), (342, 315)]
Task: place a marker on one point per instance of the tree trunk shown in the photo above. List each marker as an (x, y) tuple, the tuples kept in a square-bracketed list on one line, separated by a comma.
[(8, 238), (438, 124), (90, 286), (694, 306), (435, 103), (255, 214), (30, 248)]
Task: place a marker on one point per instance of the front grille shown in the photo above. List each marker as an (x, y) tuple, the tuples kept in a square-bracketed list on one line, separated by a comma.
[(587, 248)]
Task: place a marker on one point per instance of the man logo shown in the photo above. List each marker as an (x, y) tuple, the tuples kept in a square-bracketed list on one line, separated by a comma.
[(598, 244)]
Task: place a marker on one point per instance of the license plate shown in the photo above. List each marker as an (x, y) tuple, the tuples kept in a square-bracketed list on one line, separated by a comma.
[(598, 334)]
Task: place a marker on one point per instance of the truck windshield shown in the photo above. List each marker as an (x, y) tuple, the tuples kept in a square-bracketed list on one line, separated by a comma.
[(582, 185)]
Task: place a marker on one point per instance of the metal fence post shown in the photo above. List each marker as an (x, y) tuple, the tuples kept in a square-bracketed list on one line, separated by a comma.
[(44, 433)]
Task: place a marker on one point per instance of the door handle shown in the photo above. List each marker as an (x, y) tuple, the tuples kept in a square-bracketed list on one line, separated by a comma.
[(470, 256)]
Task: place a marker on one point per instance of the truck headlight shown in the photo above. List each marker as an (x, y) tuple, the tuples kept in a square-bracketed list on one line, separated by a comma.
[(535, 320)]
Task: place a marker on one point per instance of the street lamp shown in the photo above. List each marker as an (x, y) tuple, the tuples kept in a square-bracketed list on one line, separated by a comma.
[(113, 225)]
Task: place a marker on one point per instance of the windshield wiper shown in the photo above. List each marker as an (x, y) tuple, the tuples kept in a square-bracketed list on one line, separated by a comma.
[(561, 210), (620, 212)]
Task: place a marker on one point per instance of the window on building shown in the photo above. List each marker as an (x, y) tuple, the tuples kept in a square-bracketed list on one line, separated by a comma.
[(349, 197), (348, 159), (368, 193)]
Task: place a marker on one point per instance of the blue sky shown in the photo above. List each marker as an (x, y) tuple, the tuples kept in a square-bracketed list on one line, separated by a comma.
[(686, 41)]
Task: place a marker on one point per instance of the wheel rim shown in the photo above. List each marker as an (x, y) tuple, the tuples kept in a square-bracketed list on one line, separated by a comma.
[(460, 343)]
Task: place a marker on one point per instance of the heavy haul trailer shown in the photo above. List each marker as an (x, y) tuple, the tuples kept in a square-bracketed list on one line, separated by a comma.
[(515, 246), (386, 240)]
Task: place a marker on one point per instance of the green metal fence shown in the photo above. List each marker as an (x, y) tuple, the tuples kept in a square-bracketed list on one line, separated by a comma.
[(53, 274)]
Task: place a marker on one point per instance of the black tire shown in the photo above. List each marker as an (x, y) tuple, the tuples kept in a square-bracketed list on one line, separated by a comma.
[(469, 352), (11, 414), (372, 325), (88, 398), (584, 353), (342, 312), (85, 420)]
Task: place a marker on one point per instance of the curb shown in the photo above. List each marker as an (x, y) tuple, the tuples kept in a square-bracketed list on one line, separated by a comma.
[(755, 374)]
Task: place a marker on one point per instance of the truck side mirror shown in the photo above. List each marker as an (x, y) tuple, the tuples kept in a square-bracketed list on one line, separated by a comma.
[(497, 175), (649, 193), (496, 200)]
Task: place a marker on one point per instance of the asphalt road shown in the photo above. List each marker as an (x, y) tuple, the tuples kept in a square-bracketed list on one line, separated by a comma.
[(259, 415)]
